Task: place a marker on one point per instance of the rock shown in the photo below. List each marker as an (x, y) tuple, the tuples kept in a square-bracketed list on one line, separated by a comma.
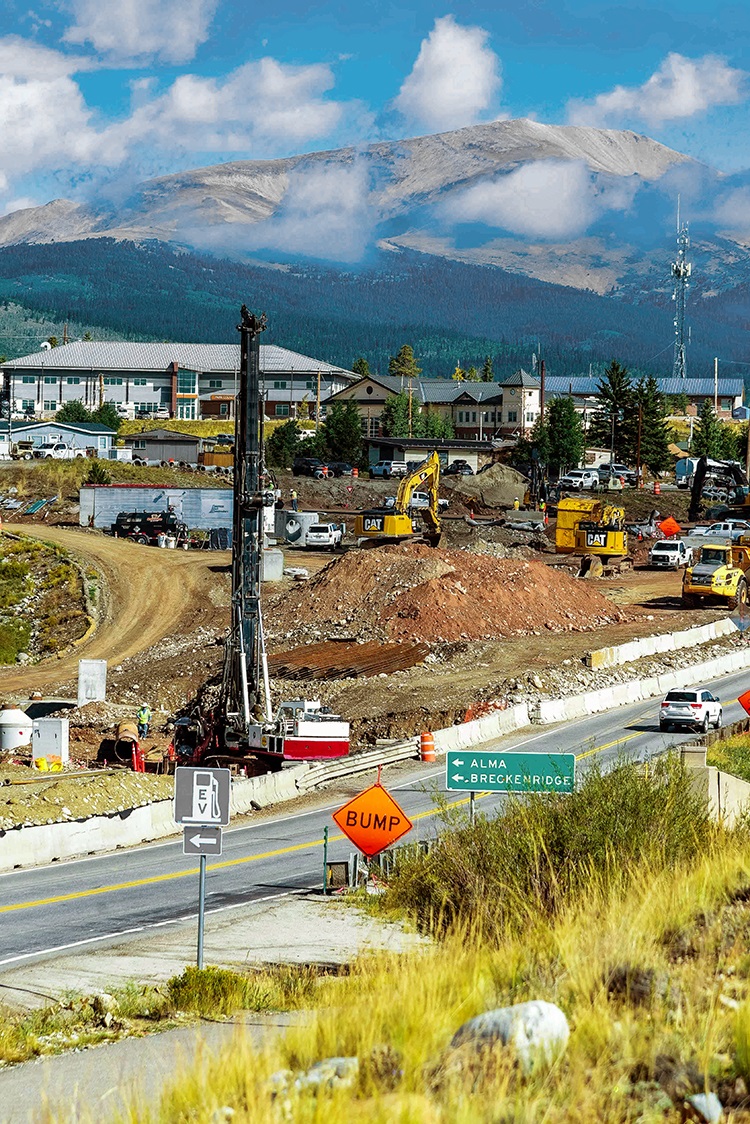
[(538, 1031), (636, 986), (331, 1073), (708, 1107)]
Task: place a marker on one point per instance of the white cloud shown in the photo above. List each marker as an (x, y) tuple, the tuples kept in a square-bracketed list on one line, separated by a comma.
[(732, 210), (679, 88), (170, 30), (454, 81), (548, 199)]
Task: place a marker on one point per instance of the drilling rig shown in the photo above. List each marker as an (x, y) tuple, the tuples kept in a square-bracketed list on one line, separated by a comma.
[(244, 724)]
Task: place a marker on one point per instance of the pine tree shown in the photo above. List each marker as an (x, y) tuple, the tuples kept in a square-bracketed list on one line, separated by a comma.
[(488, 375), (106, 414), (707, 436), (404, 365), (472, 375), (539, 440), (655, 435), (614, 424), (566, 438), (73, 412), (342, 432), (361, 367), (394, 417), (283, 444)]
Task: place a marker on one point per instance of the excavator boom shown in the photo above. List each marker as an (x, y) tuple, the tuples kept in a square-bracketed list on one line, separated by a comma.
[(396, 522)]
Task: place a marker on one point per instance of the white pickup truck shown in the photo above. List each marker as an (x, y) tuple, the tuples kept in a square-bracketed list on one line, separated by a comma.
[(57, 451), (670, 553), (324, 536)]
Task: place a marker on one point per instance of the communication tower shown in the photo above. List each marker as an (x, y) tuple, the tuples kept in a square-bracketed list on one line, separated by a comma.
[(681, 270)]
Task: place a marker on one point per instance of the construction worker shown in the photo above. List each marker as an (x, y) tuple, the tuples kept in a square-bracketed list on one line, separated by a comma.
[(295, 497), (516, 504), (144, 720)]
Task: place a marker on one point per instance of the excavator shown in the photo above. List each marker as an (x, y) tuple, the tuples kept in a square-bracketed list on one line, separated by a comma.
[(728, 483), (394, 524)]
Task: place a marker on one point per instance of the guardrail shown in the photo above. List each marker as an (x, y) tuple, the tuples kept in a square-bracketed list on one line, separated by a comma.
[(337, 770)]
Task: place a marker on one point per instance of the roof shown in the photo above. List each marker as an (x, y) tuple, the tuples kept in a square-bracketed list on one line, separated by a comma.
[(522, 378), (107, 355), (77, 427), (582, 385), (437, 391), (163, 435)]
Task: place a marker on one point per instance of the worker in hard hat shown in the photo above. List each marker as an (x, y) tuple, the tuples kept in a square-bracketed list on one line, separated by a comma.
[(516, 504), (144, 720)]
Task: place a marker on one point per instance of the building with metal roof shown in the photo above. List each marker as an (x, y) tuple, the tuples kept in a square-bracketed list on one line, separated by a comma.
[(90, 438), (186, 380), (726, 393)]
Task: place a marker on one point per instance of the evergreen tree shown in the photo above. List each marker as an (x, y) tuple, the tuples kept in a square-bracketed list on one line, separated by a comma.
[(707, 436), (614, 424), (283, 445), (87, 336), (472, 375), (655, 435), (361, 367), (732, 445), (72, 412), (433, 425), (53, 341), (566, 437), (394, 417), (342, 432), (539, 440), (488, 375), (404, 365), (107, 415)]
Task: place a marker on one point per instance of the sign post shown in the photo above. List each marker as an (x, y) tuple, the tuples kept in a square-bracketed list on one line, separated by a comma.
[(487, 770), (201, 806)]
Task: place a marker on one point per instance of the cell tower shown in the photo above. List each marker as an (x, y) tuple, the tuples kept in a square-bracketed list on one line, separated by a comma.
[(681, 270)]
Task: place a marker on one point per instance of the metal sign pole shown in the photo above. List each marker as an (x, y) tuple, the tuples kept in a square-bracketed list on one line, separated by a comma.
[(472, 798), (201, 908), (325, 859)]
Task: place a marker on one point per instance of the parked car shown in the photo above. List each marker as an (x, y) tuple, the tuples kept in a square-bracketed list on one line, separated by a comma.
[(57, 451), (697, 708), (730, 529), (335, 468), (305, 466), (458, 468), (580, 480), (387, 469), (670, 553), (324, 536)]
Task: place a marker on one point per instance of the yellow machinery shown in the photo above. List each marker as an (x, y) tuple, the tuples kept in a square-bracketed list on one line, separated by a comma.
[(393, 523), (590, 527), (720, 575)]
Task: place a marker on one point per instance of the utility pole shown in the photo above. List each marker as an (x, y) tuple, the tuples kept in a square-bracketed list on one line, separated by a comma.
[(542, 374), (716, 384), (638, 446), (410, 406), (317, 405)]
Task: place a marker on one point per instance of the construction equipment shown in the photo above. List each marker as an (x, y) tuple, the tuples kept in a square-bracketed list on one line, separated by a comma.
[(590, 527), (392, 524), (720, 575), (724, 482), (243, 725)]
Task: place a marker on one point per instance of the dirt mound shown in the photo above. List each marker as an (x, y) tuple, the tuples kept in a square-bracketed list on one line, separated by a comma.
[(497, 487), (413, 592)]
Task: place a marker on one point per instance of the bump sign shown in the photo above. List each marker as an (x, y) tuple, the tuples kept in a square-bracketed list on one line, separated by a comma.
[(373, 820)]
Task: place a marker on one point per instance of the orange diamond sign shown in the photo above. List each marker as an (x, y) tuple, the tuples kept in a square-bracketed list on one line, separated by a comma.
[(373, 820), (744, 701)]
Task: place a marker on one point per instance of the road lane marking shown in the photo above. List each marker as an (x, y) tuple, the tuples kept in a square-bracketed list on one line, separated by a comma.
[(609, 745)]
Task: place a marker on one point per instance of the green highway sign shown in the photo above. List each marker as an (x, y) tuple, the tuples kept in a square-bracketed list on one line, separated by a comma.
[(487, 770)]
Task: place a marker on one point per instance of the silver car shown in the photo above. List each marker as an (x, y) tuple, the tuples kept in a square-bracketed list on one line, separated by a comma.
[(696, 708)]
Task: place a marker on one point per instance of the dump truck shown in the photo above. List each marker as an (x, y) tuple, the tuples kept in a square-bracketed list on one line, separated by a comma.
[(719, 576), (391, 524), (590, 527)]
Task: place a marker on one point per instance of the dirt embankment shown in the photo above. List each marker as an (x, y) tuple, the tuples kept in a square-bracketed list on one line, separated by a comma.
[(410, 591)]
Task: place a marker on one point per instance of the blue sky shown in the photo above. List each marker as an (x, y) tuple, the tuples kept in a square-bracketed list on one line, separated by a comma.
[(95, 93)]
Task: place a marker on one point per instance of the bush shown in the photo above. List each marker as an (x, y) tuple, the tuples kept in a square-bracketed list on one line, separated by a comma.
[(98, 474), (219, 992), (543, 852)]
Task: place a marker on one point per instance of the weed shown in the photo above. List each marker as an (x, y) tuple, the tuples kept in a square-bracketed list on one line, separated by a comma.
[(732, 755), (216, 991)]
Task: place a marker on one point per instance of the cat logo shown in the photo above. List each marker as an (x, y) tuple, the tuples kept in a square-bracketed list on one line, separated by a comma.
[(373, 523), (596, 538)]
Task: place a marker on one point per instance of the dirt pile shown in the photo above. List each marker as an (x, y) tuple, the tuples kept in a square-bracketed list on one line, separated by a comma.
[(497, 487), (412, 592), (24, 799)]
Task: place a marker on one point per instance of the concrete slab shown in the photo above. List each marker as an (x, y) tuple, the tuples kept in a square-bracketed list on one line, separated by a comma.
[(294, 929)]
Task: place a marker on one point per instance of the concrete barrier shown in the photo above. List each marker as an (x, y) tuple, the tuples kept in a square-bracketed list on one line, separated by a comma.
[(620, 654), (482, 729), (727, 797)]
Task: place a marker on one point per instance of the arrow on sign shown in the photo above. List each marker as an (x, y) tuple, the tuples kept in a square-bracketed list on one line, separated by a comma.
[(199, 840), (458, 777), (458, 763)]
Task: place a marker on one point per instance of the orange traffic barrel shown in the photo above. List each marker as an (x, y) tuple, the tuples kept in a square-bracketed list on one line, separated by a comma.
[(427, 747), (355, 471), (657, 488)]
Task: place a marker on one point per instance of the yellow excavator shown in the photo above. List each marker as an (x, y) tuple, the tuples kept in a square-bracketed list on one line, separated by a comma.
[(391, 524)]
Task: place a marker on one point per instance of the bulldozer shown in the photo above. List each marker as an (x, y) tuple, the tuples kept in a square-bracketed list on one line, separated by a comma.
[(393, 524), (720, 576), (590, 527)]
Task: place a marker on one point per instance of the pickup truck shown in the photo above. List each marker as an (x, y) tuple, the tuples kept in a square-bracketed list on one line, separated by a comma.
[(324, 536), (580, 479), (733, 529), (672, 553), (386, 469), (57, 451)]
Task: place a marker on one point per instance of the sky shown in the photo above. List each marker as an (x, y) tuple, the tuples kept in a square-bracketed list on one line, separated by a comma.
[(96, 95)]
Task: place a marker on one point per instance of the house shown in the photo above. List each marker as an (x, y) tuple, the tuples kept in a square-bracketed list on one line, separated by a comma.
[(182, 380), (475, 453), (91, 438)]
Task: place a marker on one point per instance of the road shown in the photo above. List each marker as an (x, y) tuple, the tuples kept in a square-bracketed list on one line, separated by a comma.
[(150, 593), (93, 901)]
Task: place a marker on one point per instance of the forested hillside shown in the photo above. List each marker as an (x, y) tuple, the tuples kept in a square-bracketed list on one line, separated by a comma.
[(451, 313)]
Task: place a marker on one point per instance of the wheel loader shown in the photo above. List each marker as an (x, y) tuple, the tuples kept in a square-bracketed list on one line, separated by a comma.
[(720, 575)]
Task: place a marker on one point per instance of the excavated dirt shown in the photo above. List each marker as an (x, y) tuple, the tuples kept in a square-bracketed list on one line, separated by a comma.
[(497, 487), (25, 799), (410, 591)]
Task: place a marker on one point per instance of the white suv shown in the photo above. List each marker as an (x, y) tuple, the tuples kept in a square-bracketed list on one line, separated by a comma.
[(697, 708)]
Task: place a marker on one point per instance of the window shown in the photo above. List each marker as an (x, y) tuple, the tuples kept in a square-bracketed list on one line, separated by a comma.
[(473, 415), (139, 444), (374, 427), (460, 415), (186, 382), (224, 409), (102, 442), (50, 380), (186, 411), (530, 417), (512, 415), (282, 410), (29, 378), (310, 385), (27, 405), (215, 384), (113, 382), (50, 405), (74, 381), (726, 404), (140, 382), (279, 384)]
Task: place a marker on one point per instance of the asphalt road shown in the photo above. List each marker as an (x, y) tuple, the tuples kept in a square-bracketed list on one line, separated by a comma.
[(92, 901)]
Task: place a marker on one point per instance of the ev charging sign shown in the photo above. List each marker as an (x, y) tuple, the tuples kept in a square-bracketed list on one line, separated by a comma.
[(201, 796)]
